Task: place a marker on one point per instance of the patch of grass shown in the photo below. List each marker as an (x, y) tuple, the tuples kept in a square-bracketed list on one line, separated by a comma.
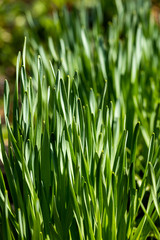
[(83, 161)]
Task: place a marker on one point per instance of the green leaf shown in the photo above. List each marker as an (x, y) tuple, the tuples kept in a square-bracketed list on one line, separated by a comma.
[(6, 226), (24, 53), (39, 106), (20, 220), (154, 188), (133, 156), (153, 226), (6, 98), (92, 102)]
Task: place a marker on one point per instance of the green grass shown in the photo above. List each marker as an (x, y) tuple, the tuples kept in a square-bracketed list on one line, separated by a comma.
[(83, 148)]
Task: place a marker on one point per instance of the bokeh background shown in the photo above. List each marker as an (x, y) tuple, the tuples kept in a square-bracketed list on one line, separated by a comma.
[(35, 18), (15, 23)]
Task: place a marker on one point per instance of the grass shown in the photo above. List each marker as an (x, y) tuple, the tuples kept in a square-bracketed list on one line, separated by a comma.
[(83, 149)]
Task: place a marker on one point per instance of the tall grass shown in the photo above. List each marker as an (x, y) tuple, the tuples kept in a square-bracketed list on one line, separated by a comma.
[(83, 161)]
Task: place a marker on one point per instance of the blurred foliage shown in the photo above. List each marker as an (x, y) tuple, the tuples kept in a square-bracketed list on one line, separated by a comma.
[(16, 22), (34, 17)]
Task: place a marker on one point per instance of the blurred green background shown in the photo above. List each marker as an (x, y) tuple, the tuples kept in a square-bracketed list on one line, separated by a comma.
[(33, 18), (16, 22)]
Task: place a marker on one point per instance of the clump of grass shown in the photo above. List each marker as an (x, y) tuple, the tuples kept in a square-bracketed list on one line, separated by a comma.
[(79, 164)]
